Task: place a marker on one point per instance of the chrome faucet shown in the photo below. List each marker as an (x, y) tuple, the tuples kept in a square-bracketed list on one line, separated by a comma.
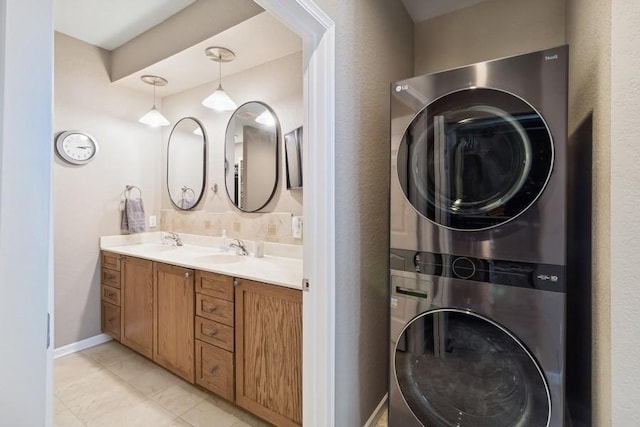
[(240, 248), (173, 236)]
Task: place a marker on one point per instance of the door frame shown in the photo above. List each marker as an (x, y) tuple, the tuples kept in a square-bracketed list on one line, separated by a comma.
[(317, 31)]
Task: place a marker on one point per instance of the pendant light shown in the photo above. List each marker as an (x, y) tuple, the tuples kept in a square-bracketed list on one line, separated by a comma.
[(219, 100), (154, 118)]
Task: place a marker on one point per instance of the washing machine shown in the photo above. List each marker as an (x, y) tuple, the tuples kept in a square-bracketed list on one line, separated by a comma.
[(478, 244)]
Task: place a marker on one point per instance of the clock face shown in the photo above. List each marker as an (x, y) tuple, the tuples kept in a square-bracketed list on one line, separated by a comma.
[(76, 147)]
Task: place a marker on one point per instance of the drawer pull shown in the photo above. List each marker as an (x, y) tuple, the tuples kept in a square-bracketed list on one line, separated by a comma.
[(110, 294), (212, 334), (213, 370), (212, 309)]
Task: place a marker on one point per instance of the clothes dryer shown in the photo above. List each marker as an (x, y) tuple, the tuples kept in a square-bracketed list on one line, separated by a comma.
[(478, 159), (478, 242)]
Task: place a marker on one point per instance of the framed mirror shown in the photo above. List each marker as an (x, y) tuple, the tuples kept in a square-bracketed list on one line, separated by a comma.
[(251, 156), (186, 163), (293, 158)]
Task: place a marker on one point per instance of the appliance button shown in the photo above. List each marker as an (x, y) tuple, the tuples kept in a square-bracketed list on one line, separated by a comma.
[(463, 268)]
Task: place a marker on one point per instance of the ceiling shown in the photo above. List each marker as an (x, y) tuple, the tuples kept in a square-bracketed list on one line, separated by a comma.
[(269, 40), (112, 23)]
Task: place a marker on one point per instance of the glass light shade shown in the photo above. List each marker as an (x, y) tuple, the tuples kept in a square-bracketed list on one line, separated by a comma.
[(219, 101), (266, 119), (154, 118), (198, 131)]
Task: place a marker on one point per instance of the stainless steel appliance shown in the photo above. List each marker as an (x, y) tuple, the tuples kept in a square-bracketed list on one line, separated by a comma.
[(478, 242)]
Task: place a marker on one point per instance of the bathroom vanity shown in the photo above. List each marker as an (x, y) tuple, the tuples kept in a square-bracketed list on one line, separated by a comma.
[(215, 319)]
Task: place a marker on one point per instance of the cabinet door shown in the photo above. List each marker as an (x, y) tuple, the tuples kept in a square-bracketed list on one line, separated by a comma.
[(269, 351), (173, 332), (136, 299)]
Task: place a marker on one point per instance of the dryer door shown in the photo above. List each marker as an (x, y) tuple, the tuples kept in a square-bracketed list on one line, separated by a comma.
[(455, 368), (475, 159)]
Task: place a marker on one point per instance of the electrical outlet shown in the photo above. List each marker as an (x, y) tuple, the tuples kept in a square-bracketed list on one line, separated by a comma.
[(152, 221)]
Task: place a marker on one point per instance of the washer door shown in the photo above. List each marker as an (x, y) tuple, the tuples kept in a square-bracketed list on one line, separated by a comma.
[(475, 159), (458, 369)]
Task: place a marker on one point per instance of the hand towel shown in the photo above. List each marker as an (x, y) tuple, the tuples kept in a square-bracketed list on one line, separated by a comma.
[(133, 215)]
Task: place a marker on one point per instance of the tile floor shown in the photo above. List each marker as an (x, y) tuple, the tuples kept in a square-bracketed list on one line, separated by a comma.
[(112, 386)]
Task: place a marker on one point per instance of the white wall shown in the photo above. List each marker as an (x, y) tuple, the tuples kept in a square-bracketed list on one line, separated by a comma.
[(625, 222), (26, 58), (278, 84), (87, 198), (374, 46)]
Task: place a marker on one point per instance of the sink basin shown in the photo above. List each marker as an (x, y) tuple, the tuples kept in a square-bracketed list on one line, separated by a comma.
[(220, 259), (154, 248)]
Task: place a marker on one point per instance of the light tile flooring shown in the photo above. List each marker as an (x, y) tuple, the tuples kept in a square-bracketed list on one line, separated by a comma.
[(111, 386)]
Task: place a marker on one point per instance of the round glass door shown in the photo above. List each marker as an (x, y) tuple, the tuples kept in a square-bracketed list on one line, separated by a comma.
[(475, 159), (459, 369)]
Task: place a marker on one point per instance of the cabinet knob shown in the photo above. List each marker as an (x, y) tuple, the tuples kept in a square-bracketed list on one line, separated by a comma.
[(110, 294), (235, 283), (212, 370), (186, 275), (212, 309), (212, 333)]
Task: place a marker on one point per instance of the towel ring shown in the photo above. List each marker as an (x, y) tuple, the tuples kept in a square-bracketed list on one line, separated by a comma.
[(186, 189), (128, 188)]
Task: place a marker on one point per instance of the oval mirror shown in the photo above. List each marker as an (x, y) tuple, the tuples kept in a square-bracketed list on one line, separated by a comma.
[(186, 163), (251, 156)]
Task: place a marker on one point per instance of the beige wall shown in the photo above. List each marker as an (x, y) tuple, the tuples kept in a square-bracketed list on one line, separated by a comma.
[(588, 35), (374, 46), (488, 30), (625, 227), (86, 198), (277, 83)]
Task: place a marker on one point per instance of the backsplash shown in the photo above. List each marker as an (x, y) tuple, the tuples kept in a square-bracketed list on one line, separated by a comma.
[(268, 227)]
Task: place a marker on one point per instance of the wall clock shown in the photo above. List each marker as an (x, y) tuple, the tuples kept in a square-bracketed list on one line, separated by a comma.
[(76, 147)]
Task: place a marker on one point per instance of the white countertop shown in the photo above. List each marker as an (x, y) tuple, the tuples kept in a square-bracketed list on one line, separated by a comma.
[(281, 264)]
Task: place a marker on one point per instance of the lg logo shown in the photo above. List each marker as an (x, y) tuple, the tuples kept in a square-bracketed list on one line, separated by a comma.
[(400, 88)]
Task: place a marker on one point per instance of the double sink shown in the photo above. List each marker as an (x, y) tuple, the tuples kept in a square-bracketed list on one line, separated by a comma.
[(280, 266)]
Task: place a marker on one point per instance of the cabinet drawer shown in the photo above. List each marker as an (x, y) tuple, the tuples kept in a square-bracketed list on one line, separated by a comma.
[(214, 333), (215, 285), (110, 294), (214, 369), (110, 260), (110, 317), (214, 309), (110, 277)]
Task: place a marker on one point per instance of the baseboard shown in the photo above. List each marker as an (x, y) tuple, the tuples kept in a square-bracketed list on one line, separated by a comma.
[(81, 345), (377, 413)]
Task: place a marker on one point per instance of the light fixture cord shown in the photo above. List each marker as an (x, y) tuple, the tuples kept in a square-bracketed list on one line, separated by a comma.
[(154, 95), (220, 70)]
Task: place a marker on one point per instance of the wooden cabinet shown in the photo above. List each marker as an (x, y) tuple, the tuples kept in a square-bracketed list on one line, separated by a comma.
[(214, 333), (173, 328), (136, 299), (110, 319), (237, 338), (269, 351), (110, 294)]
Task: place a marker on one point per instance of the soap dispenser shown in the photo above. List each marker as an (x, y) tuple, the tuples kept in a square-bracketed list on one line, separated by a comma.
[(224, 241)]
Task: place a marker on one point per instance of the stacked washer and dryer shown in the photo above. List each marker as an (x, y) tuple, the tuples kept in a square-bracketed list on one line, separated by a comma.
[(478, 242)]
